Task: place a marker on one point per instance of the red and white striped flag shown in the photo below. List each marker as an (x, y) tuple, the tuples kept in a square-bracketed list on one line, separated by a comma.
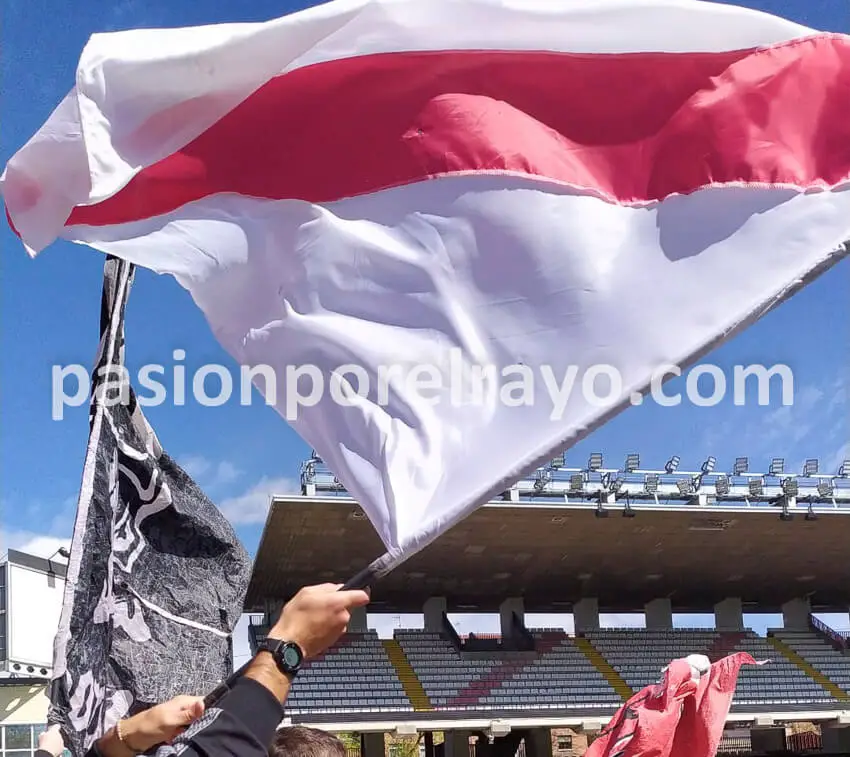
[(546, 186), (682, 716)]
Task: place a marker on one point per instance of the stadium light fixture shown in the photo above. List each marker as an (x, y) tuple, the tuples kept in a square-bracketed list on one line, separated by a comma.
[(632, 462), (790, 487), (559, 461), (685, 486), (672, 464), (721, 485), (742, 465), (576, 482), (708, 465), (650, 484), (756, 486), (826, 487), (777, 466), (543, 477), (595, 461), (844, 470), (810, 467)]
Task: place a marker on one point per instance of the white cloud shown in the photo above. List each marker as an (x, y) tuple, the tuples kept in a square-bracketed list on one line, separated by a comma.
[(40, 545), (226, 473), (195, 465), (252, 505), (208, 474), (622, 620), (833, 462)]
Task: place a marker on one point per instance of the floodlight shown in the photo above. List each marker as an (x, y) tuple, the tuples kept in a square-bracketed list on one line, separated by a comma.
[(742, 465), (672, 464), (826, 488), (777, 466), (685, 486), (543, 477), (810, 468), (650, 484), (595, 461), (576, 482), (844, 470), (632, 463), (721, 485), (708, 465), (756, 486), (559, 461), (790, 487)]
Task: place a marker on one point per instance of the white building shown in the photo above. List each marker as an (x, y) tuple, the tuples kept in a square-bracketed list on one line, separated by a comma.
[(31, 592)]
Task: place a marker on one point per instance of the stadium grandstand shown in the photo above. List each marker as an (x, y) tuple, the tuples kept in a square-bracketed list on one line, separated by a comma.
[(583, 541)]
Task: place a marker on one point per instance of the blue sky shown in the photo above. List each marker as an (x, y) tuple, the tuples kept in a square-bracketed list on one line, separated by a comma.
[(49, 315)]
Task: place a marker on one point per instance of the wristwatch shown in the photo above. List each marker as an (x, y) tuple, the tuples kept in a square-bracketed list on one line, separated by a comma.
[(287, 655)]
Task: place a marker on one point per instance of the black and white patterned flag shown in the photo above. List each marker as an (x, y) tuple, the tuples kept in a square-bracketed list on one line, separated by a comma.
[(156, 577)]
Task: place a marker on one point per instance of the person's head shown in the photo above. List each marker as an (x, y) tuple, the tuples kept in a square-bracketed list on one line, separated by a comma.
[(298, 741)]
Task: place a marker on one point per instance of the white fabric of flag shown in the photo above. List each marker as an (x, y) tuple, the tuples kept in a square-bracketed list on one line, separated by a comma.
[(463, 199)]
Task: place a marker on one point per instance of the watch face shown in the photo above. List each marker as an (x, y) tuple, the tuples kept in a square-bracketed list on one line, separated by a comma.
[(291, 656)]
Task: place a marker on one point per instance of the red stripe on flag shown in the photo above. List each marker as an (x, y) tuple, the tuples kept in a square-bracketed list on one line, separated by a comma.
[(633, 128)]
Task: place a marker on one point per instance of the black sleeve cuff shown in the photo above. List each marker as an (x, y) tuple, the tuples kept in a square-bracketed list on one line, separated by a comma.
[(255, 706)]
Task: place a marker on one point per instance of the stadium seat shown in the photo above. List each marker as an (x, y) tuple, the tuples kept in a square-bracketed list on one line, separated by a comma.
[(819, 654), (639, 656), (556, 676), (355, 676)]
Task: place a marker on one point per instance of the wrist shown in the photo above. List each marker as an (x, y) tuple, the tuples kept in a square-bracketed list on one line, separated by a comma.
[(291, 635), (134, 734)]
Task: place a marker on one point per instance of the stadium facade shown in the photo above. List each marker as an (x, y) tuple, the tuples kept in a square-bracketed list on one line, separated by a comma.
[(31, 591), (581, 541)]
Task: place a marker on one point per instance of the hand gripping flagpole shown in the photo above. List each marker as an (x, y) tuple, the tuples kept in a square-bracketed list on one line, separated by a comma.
[(362, 580)]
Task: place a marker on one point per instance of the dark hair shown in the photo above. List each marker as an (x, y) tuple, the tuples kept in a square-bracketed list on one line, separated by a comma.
[(299, 741)]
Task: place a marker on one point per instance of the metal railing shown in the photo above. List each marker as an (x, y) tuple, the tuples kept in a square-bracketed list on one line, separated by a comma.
[(838, 640), (596, 485)]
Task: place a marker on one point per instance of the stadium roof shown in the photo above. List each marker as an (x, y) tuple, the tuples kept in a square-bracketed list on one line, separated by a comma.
[(554, 554)]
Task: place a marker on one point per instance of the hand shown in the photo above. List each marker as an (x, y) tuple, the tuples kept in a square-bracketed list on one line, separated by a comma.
[(162, 723), (51, 741), (317, 616)]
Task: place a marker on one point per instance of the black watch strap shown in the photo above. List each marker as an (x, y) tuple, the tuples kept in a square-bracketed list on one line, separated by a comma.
[(288, 656)]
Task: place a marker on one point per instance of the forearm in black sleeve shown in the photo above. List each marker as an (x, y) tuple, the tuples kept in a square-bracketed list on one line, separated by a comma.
[(242, 725)]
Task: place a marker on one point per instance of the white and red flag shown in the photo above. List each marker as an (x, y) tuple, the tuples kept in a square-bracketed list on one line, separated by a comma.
[(681, 716), (540, 186)]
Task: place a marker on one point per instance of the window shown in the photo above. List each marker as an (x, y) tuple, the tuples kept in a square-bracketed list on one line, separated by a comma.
[(565, 743), (2, 612), (21, 740)]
